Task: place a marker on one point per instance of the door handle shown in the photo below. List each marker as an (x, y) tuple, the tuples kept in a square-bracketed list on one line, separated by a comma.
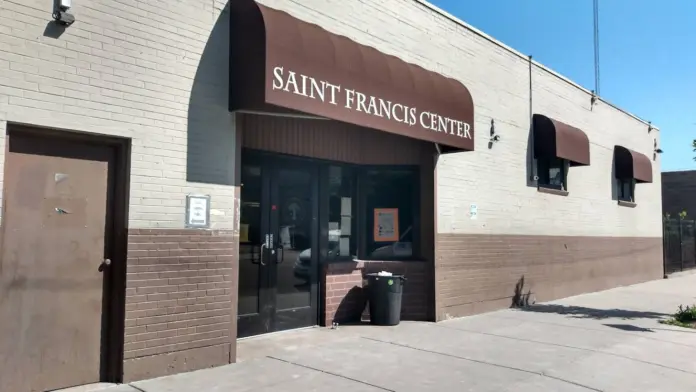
[(105, 263), (261, 254)]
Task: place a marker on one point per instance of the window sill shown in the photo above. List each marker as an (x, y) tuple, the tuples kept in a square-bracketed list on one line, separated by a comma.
[(628, 204), (552, 191), (384, 260)]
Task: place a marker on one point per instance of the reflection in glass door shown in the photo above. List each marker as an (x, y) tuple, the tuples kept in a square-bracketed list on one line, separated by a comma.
[(294, 226), (253, 311), (278, 271)]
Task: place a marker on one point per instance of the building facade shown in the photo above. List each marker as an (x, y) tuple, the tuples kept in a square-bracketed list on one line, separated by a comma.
[(677, 193), (255, 159)]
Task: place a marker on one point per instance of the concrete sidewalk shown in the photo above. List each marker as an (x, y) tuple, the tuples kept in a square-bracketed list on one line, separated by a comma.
[(608, 341)]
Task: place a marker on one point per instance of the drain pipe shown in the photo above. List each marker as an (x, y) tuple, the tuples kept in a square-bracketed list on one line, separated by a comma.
[(532, 159)]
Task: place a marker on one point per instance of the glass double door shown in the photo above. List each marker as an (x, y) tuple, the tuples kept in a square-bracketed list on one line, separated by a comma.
[(278, 271)]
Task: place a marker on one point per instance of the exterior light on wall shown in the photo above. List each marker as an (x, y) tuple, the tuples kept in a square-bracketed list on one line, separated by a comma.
[(593, 100), (494, 137), (650, 128), (656, 150), (60, 12)]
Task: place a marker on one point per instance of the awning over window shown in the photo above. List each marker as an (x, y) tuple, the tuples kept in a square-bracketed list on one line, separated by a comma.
[(554, 139), (629, 164), (278, 62)]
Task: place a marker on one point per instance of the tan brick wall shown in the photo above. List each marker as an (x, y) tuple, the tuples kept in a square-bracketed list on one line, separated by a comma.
[(146, 70), (179, 298)]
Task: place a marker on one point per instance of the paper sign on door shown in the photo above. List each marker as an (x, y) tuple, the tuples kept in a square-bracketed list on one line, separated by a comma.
[(386, 224)]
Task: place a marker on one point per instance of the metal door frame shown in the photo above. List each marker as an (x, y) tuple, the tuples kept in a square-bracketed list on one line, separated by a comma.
[(260, 322), (270, 163), (116, 236), (275, 165)]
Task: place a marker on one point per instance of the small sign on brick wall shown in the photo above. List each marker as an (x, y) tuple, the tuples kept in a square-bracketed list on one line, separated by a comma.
[(198, 211)]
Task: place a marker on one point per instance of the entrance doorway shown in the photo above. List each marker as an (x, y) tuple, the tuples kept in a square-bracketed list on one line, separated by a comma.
[(58, 241), (278, 273)]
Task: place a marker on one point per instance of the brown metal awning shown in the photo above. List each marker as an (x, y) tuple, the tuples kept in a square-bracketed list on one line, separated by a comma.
[(280, 63), (629, 164), (553, 138)]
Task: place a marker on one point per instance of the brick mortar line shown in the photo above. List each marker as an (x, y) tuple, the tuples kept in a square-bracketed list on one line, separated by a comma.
[(169, 352)]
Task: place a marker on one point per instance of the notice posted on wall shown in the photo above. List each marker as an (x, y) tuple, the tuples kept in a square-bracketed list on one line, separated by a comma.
[(386, 225), (198, 211)]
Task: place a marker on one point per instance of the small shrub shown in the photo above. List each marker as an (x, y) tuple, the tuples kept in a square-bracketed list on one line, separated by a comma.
[(686, 314), (684, 317)]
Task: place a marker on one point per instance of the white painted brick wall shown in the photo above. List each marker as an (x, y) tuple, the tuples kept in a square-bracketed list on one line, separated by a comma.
[(141, 69), (154, 71), (496, 179)]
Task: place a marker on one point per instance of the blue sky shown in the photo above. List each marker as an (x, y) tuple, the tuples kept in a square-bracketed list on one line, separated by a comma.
[(647, 54)]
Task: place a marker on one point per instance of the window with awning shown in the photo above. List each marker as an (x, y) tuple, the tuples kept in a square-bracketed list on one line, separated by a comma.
[(630, 168), (557, 147)]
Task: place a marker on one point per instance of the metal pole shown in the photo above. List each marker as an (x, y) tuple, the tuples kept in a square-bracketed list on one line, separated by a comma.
[(595, 9), (664, 247), (681, 244)]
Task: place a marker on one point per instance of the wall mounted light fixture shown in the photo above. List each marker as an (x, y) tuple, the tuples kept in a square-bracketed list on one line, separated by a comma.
[(60, 12), (656, 150), (494, 137), (650, 128), (593, 100)]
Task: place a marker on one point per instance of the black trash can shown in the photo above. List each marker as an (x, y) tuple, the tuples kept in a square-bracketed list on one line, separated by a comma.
[(384, 295)]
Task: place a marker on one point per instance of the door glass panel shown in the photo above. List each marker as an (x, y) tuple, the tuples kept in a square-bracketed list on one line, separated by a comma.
[(341, 218), (294, 244), (250, 240)]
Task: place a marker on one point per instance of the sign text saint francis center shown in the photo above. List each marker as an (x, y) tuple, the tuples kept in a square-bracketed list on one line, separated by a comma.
[(351, 99)]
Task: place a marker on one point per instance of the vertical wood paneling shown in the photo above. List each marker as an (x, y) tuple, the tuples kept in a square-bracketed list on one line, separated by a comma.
[(330, 140)]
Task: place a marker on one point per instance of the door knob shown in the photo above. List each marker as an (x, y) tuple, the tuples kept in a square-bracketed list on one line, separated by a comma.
[(105, 263)]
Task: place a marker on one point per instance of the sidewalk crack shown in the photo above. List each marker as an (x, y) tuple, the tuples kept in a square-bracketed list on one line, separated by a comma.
[(331, 374), (487, 363), (591, 350)]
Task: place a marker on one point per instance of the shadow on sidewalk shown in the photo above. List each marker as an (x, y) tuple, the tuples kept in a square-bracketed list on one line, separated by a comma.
[(524, 302), (629, 328), (591, 313)]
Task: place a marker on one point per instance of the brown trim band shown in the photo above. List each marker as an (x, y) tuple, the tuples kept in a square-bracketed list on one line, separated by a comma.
[(281, 63), (629, 164), (555, 139)]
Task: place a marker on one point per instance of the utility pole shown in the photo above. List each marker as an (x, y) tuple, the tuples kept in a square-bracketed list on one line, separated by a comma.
[(595, 9)]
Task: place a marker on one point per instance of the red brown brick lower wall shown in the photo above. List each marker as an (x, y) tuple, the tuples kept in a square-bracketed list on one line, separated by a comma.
[(479, 273), (181, 299), (345, 300)]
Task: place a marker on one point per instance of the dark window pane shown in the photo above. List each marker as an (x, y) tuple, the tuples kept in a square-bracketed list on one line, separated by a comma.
[(626, 189), (391, 192), (552, 173)]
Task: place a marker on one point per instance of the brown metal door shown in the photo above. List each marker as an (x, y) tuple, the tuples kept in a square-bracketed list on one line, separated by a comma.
[(51, 272)]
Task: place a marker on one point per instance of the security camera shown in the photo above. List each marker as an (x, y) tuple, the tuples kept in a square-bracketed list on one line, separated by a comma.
[(63, 18), (496, 138)]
